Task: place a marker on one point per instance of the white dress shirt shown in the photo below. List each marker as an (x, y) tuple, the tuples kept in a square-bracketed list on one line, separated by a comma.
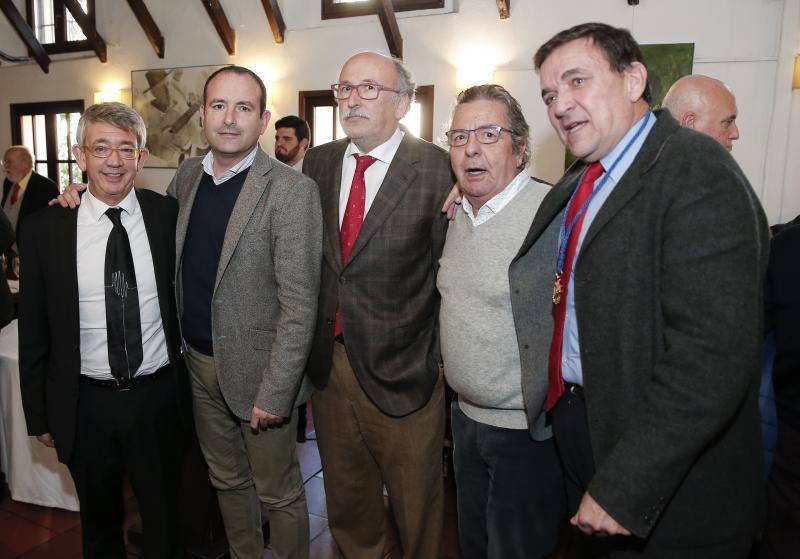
[(94, 228), (208, 166), (373, 176), (499, 201)]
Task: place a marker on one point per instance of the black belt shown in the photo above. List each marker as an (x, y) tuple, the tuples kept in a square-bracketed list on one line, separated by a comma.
[(574, 389), (127, 383)]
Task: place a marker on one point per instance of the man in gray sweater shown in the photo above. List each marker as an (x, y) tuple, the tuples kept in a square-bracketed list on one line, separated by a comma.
[(508, 477)]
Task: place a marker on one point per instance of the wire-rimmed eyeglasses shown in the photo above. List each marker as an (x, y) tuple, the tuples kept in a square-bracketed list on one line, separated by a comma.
[(366, 91), (103, 151), (487, 134)]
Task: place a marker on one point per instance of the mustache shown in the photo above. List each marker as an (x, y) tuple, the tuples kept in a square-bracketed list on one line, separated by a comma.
[(229, 129), (354, 112)]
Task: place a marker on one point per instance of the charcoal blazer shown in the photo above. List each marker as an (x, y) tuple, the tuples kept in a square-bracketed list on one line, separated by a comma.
[(49, 331), (265, 293), (387, 289), (38, 193), (668, 294)]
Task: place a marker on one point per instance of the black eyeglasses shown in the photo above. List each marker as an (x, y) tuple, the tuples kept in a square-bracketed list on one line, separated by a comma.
[(488, 134), (366, 91), (102, 151)]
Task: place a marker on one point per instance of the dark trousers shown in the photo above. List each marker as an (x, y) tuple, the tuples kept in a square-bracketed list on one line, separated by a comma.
[(510, 491), (782, 534), (571, 434), (134, 432)]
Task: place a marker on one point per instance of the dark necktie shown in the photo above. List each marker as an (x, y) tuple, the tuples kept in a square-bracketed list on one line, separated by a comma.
[(556, 387), (353, 218), (124, 328), (15, 193)]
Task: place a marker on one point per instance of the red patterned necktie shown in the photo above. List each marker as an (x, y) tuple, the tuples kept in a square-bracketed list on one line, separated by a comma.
[(556, 387), (353, 219), (15, 193)]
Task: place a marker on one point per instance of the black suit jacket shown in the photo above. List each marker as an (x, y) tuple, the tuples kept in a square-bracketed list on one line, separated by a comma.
[(6, 302), (38, 193), (668, 294), (387, 289), (49, 333)]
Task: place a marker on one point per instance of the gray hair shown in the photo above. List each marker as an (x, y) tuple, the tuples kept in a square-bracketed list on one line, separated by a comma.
[(23, 151), (520, 131), (405, 79), (116, 114)]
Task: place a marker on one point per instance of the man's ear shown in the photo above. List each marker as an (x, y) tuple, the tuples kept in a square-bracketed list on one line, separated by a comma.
[(635, 80), (80, 157), (304, 144), (688, 119)]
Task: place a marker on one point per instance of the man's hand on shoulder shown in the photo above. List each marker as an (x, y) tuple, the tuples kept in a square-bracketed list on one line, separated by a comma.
[(71, 197), (261, 419), (46, 439), (592, 520), (452, 202)]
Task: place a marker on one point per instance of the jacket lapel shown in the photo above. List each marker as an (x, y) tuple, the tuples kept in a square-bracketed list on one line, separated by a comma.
[(329, 197), (399, 177), (159, 251), (253, 188), (185, 210)]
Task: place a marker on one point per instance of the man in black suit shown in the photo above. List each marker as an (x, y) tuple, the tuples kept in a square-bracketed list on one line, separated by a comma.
[(101, 373), (24, 191), (655, 358)]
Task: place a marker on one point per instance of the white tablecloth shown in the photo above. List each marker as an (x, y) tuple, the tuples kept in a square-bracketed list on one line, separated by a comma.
[(33, 472)]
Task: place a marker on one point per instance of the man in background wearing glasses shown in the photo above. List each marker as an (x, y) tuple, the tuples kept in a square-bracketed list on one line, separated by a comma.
[(101, 372), (378, 405), (508, 476)]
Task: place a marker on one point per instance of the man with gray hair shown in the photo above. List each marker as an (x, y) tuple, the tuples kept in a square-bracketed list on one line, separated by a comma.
[(379, 400), (706, 105), (508, 476), (101, 371)]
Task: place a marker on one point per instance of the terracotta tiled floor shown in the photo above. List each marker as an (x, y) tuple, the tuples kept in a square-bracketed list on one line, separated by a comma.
[(34, 532)]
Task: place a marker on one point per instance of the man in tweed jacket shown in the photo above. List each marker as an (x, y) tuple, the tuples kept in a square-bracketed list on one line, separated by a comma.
[(248, 239), (378, 407)]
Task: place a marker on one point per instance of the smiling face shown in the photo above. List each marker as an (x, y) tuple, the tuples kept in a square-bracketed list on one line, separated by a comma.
[(484, 170), (371, 122), (110, 178), (231, 118), (590, 105)]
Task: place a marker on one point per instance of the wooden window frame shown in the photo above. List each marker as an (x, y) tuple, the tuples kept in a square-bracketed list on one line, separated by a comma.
[(307, 100), (49, 109), (334, 11), (61, 45)]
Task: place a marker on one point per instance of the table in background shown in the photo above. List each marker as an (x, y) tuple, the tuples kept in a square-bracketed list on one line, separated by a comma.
[(33, 472)]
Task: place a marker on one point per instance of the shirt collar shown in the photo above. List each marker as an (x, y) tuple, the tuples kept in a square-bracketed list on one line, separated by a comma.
[(633, 151), (97, 208), (208, 166), (502, 198), (23, 182), (383, 152)]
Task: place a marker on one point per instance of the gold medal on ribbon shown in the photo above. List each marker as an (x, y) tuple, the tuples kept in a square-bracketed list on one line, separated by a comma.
[(557, 290)]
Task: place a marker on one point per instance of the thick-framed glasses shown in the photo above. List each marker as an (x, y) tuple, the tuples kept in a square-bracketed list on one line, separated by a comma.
[(366, 91), (102, 151), (488, 134)]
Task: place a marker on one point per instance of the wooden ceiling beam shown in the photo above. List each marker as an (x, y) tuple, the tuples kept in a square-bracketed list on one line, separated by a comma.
[(391, 31), (89, 29), (275, 18), (226, 33), (504, 7), (148, 25), (26, 34)]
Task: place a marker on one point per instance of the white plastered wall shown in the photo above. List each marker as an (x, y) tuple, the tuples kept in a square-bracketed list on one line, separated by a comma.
[(749, 44)]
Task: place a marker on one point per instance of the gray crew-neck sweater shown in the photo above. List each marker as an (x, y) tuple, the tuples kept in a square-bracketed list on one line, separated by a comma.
[(478, 338)]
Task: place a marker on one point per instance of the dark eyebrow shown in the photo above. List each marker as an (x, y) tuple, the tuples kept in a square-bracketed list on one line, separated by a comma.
[(566, 75)]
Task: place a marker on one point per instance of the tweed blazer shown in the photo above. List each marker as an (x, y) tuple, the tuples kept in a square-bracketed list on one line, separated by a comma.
[(387, 289), (668, 295), (49, 327), (265, 294)]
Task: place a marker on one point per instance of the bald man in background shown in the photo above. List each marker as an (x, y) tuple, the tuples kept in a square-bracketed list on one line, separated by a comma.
[(705, 104)]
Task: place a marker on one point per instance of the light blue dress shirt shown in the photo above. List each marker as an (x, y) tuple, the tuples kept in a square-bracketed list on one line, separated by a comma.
[(571, 368)]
